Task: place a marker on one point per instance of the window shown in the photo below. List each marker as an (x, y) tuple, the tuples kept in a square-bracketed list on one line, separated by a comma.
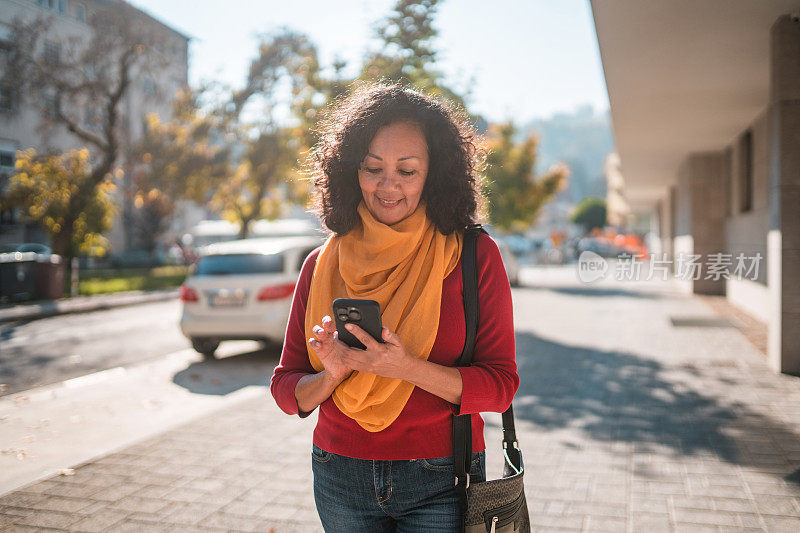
[(52, 52), (80, 12), (49, 105), (93, 117), (224, 264), (6, 216), (8, 98), (746, 172), (149, 87), (7, 159)]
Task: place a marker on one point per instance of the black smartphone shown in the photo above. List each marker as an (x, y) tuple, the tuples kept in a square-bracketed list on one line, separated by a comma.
[(363, 313)]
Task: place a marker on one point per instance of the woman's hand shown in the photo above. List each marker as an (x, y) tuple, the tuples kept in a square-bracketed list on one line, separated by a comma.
[(330, 350), (389, 359)]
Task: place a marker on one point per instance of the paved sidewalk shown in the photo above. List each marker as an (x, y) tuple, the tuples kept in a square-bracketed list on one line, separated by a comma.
[(82, 304), (636, 413)]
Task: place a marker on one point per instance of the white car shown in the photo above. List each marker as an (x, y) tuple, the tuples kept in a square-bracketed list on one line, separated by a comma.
[(509, 261), (242, 290)]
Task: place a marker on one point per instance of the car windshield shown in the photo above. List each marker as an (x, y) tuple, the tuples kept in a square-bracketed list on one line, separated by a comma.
[(222, 264)]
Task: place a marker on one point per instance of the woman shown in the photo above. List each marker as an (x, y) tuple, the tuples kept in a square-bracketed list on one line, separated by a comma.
[(396, 176)]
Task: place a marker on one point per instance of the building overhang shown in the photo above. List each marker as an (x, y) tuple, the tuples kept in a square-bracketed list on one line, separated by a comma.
[(683, 76)]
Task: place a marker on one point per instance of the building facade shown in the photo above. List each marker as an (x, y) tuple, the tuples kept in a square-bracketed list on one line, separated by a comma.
[(705, 101), (21, 120)]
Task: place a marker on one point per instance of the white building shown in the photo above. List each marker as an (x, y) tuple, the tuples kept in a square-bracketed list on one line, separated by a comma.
[(149, 92)]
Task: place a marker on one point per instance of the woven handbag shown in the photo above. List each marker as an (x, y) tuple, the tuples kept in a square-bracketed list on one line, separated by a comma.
[(498, 505)]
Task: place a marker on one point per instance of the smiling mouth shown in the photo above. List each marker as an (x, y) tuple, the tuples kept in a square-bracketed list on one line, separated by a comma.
[(388, 203)]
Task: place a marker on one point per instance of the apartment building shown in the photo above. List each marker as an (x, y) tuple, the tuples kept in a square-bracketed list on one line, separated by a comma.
[(150, 92)]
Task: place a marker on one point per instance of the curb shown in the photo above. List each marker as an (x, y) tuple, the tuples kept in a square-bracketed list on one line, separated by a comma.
[(83, 304)]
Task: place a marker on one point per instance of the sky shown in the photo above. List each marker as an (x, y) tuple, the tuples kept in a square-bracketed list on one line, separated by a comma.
[(515, 59)]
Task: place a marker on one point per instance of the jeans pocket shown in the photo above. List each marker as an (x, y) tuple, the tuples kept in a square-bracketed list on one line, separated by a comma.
[(320, 455), (444, 464)]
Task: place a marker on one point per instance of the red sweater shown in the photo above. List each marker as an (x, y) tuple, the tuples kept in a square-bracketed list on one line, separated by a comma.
[(424, 427)]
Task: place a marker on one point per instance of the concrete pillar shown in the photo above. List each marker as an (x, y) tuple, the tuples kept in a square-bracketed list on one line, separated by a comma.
[(783, 247), (702, 197)]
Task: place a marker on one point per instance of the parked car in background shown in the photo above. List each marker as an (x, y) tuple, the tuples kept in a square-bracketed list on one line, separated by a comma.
[(509, 260), (34, 247), (242, 290)]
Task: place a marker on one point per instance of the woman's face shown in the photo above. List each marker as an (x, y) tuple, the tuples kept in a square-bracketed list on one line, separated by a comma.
[(393, 173)]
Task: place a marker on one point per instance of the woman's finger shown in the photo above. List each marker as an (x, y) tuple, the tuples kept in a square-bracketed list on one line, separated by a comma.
[(320, 333), (328, 324), (390, 337), (363, 336)]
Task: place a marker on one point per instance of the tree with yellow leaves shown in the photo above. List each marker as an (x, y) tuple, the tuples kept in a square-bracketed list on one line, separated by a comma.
[(46, 189), (175, 160), (515, 195)]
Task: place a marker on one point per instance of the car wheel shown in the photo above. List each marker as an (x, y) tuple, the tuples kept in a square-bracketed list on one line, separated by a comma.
[(207, 347)]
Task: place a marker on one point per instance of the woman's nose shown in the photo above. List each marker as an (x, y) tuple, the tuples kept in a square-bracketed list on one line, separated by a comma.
[(387, 181)]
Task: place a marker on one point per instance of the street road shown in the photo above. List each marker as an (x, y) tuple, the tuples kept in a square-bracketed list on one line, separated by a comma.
[(49, 350)]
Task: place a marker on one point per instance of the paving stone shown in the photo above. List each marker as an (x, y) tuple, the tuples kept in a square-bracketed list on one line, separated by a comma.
[(646, 521), (72, 490), (273, 511), (117, 492), (21, 499), (749, 521), (777, 505), (738, 506), (705, 517), (779, 524), (146, 505), (58, 503), (605, 523), (188, 513), (235, 522), (99, 520), (51, 519)]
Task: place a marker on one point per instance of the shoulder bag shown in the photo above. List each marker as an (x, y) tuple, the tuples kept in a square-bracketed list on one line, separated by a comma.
[(498, 505)]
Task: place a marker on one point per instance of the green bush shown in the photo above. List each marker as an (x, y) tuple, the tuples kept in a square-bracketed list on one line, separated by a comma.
[(130, 279)]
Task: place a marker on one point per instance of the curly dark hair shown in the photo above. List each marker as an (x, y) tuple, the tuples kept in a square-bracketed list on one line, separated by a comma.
[(453, 187)]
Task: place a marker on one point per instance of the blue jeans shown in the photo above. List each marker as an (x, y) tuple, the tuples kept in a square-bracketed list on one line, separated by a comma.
[(361, 495)]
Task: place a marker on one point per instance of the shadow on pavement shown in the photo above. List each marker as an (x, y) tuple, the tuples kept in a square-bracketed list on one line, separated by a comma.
[(619, 397), (592, 291), (229, 374)]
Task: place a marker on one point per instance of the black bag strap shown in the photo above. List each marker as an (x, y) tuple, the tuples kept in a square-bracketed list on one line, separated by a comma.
[(462, 424)]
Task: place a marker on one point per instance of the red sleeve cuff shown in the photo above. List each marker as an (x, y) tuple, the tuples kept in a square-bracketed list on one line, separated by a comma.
[(486, 389), (283, 392)]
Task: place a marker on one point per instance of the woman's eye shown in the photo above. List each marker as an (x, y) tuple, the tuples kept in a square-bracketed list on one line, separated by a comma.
[(407, 172), (372, 170)]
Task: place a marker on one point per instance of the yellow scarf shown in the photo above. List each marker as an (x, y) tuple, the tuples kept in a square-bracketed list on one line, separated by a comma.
[(402, 267)]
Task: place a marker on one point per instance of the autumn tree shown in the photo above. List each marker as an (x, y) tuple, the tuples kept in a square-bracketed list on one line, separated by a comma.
[(75, 80), (254, 190), (176, 159), (515, 195), (264, 152), (44, 187), (407, 53)]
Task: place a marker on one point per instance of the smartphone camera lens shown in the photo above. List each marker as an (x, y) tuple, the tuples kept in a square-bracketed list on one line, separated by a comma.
[(354, 314), (342, 314)]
